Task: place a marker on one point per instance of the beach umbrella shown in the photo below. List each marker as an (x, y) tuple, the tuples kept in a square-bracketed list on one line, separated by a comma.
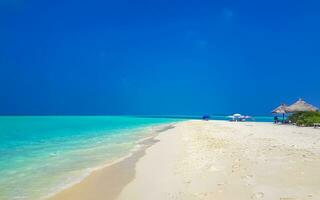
[(205, 117), (235, 116), (301, 106), (282, 109)]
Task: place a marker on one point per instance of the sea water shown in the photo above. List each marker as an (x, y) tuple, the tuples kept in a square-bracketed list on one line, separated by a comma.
[(41, 155)]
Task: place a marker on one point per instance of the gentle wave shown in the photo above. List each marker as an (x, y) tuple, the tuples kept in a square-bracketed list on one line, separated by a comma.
[(43, 155)]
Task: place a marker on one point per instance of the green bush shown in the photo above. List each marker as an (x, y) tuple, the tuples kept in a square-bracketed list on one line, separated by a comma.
[(305, 118)]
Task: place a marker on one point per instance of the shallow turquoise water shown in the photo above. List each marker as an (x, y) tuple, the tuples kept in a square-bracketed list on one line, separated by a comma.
[(41, 155)]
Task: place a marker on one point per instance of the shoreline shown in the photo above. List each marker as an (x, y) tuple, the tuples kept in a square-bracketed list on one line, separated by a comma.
[(222, 160), (207, 160), (82, 190)]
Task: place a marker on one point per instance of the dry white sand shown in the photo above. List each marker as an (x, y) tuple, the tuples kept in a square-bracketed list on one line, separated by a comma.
[(214, 160), (229, 161)]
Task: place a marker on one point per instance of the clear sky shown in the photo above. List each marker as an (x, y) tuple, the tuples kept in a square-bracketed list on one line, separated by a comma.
[(157, 56)]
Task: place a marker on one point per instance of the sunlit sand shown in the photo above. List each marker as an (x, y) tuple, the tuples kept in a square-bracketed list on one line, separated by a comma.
[(214, 160)]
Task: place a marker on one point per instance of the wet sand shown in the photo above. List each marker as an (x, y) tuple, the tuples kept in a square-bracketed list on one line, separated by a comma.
[(213, 160), (108, 182)]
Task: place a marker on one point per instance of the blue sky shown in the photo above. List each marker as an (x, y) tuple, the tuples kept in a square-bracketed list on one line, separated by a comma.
[(157, 57)]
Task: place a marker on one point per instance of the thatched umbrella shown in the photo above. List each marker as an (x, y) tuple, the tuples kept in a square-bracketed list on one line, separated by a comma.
[(282, 109), (301, 106)]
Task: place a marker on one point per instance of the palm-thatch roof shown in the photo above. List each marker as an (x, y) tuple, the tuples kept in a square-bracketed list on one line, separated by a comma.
[(282, 109), (301, 106)]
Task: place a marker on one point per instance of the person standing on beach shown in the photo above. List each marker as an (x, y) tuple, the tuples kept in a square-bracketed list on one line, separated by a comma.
[(276, 120)]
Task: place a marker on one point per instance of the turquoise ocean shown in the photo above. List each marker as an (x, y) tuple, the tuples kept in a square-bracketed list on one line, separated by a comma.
[(41, 155)]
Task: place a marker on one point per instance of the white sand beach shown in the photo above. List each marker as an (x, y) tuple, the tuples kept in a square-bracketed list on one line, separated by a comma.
[(214, 160)]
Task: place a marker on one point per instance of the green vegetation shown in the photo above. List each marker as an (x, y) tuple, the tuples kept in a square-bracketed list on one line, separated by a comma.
[(305, 118)]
